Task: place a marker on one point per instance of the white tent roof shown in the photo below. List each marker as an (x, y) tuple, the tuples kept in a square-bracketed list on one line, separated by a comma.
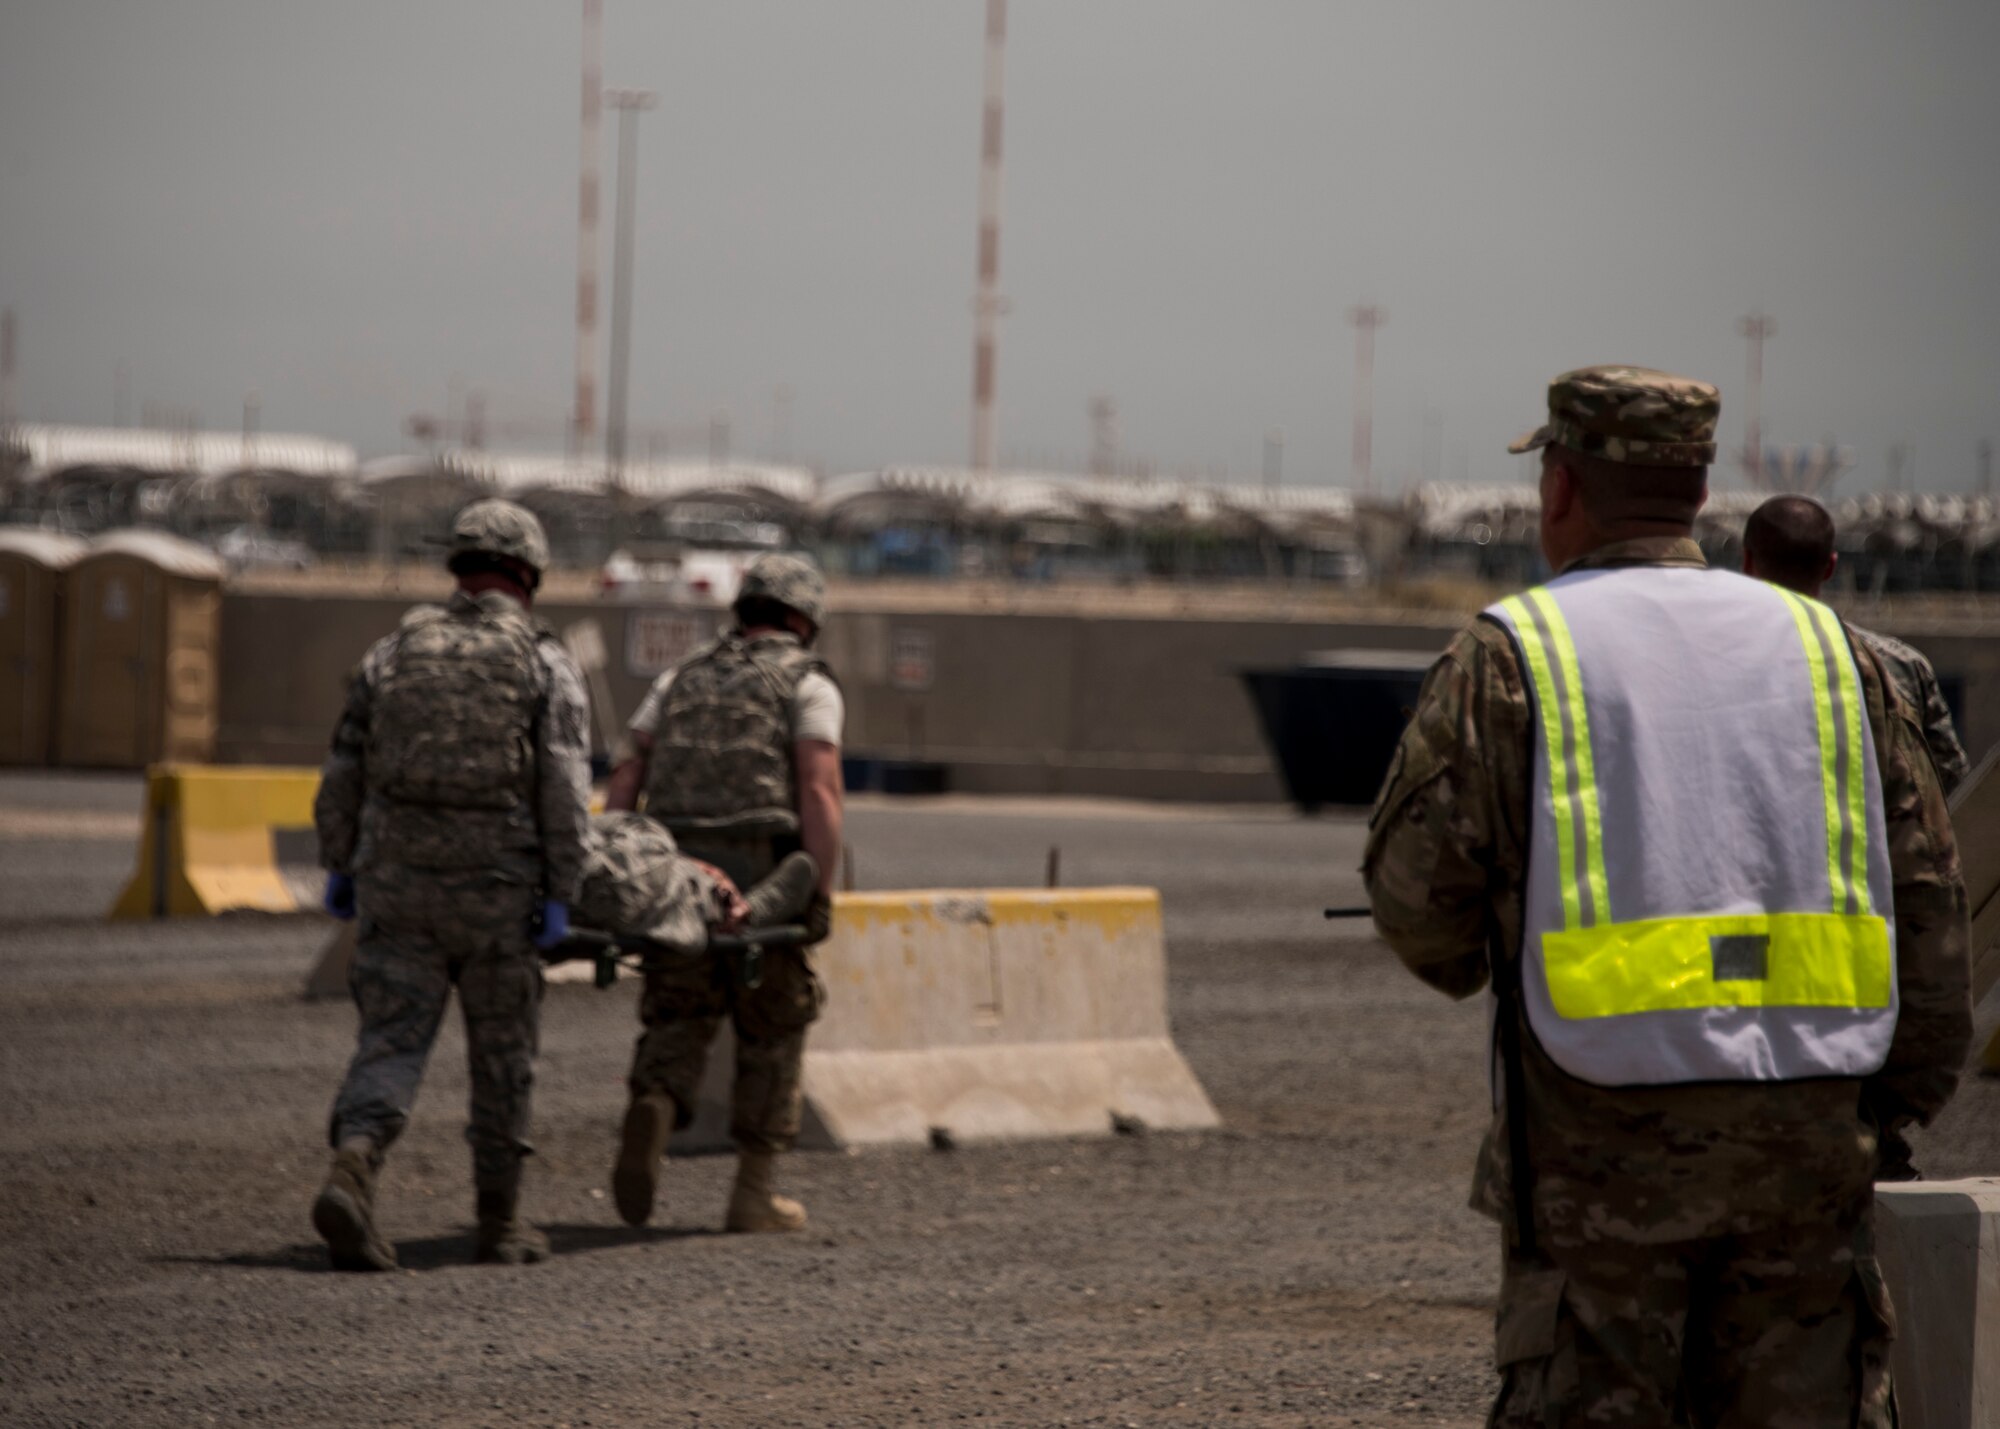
[(170, 553), (52, 549), (50, 448), (1019, 494)]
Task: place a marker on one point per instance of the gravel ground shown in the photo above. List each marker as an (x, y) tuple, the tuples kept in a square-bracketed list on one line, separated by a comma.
[(1312, 1263)]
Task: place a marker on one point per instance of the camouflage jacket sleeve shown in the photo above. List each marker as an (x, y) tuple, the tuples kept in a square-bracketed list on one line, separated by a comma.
[(1940, 737), (1447, 839), (343, 778), (562, 772), (1933, 937)]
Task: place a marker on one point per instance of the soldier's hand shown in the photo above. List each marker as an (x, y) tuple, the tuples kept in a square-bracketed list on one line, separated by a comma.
[(339, 898), (730, 909), (553, 925), (819, 918)]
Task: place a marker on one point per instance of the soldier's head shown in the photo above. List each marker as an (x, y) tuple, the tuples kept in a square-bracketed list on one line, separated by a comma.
[(496, 545), (782, 592), (1625, 453), (1789, 542)]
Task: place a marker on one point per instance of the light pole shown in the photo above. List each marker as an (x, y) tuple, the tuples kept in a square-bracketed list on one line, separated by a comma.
[(629, 103), (1756, 327), (1366, 318)]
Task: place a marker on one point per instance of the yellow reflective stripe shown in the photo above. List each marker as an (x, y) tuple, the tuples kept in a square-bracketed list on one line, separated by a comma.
[(1552, 735), (1669, 964), (1850, 706), (1586, 771), (1823, 715)]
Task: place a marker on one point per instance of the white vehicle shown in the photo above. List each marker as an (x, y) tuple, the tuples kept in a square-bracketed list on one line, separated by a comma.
[(246, 548)]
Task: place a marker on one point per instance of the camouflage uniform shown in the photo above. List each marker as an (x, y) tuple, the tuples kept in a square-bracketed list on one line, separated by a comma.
[(1916, 680), (637, 882), (449, 861), (1704, 1252), (720, 777)]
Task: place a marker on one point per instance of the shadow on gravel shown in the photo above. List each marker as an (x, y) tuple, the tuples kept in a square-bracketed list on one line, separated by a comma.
[(441, 1252)]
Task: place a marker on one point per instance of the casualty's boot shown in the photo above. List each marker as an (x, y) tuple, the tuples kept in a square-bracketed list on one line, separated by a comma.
[(635, 1178), (344, 1212), (753, 1205), (783, 894), (504, 1238)]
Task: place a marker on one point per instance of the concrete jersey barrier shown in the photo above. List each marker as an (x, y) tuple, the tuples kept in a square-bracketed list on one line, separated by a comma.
[(218, 839), (985, 1014), (1939, 1243)]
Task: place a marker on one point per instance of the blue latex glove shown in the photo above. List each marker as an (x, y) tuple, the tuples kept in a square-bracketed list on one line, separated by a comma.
[(554, 924), (339, 898)]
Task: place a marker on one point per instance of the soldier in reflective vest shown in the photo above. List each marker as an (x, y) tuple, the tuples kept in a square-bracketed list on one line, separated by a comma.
[(452, 813), (737, 752), (1690, 834)]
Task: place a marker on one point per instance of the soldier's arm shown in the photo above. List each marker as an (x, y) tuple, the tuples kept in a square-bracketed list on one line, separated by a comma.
[(343, 778), (1940, 736), (628, 778), (822, 810), (562, 773), (621, 791), (1441, 844), (1933, 938)]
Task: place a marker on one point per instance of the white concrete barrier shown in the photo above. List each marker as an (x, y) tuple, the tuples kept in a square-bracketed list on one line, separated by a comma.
[(1939, 1243), (985, 1014)]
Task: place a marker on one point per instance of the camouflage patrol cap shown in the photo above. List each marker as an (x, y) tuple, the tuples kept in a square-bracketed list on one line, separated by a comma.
[(792, 581), (1630, 414), (500, 528)]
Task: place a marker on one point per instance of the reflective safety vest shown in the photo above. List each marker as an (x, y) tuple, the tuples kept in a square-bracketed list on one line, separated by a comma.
[(1708, 887)]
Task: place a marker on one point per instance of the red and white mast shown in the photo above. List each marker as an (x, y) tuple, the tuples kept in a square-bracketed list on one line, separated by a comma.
[(987, 302), (583, 419)]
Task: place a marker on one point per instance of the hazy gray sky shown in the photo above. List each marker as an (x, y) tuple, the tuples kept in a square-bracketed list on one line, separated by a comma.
[(343, 206)]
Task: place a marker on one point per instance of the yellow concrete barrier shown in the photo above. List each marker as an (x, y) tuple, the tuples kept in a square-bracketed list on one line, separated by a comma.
[(209, 841), (985, 1014)]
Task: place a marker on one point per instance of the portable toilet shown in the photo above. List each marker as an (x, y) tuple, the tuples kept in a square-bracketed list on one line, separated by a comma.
[(140, 647), (32, 563)]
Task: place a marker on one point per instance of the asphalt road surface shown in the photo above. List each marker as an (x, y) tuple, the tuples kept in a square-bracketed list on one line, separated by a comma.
[(1313, 1263)]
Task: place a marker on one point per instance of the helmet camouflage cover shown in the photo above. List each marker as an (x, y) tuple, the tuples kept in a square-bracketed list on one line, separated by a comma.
[(500, 528), (791, 581)]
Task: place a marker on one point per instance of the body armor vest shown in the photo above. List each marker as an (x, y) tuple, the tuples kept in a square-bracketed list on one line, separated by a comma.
[(451, 735), (721, 760), (1708, 885)]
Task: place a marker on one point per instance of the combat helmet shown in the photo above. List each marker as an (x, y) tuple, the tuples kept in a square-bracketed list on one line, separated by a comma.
[(500, 528), (792, 581)]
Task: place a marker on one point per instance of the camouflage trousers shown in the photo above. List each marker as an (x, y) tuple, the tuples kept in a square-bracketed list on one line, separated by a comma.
[(686, 998), (1785, 1327), (421, 933)]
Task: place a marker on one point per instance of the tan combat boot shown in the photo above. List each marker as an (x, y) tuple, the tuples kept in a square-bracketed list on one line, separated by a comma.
[(344, 1212), (753, 1205), (504, 1238), (783, 894), (649, 1120)]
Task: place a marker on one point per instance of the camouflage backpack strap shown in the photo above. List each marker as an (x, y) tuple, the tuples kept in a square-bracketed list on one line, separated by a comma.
[(783, 664)]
